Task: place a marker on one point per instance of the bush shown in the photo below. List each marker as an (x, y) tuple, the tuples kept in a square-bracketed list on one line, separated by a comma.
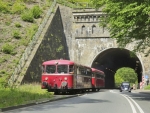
[(31, 31), (3, 6), (18, 7), (3, 60), (18, 25), (27, 16), (36, 11), (24, 42), (7, 48), (16, 35), (3, 82)]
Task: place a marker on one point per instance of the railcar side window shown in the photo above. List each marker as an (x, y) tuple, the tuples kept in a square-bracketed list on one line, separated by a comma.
[(84, 71), (62, 68), (81, 71), (50, 69), (88, 72), (93, 75)]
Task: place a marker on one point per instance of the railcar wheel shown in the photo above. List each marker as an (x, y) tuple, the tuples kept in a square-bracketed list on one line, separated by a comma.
[(94, 90), (56, 93)]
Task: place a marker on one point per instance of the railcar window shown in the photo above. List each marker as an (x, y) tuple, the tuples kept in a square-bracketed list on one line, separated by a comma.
[(84, 71), (71, 68), (98, 75), (62, 68), (50, 69), (88, 72), (93, 75)]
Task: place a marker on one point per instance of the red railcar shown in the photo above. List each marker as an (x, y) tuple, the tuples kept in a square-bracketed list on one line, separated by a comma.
[(98, 79), (65, 76)]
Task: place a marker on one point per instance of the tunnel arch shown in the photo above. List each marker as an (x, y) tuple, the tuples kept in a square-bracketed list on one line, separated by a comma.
[(111, 59)]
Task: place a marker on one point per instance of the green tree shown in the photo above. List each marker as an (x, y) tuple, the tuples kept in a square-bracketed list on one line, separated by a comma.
[(127, 21), (125, 74)]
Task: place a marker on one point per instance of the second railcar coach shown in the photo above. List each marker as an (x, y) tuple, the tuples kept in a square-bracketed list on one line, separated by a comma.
[(98, 79)]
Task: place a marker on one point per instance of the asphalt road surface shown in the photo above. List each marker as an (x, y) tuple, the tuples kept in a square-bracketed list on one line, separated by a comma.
[(105, 101)]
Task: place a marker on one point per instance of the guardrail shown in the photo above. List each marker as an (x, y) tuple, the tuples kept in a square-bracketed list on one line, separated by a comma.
[(30, 47)]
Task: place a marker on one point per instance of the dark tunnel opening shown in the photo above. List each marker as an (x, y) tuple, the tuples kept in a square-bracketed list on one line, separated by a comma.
[(112, 59)]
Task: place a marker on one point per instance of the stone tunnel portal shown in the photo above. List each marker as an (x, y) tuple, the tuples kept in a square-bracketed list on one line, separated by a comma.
[(112, 59)]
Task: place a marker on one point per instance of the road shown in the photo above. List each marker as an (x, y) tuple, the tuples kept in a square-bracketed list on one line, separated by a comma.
[(105, 101)]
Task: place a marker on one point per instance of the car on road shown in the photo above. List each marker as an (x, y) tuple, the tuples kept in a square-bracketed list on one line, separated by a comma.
[(125, 86)]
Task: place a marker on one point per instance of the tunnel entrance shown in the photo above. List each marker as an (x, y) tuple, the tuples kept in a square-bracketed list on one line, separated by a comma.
[(112, 59)]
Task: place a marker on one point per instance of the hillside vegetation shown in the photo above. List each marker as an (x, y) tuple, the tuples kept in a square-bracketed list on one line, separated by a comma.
[(19, 21)]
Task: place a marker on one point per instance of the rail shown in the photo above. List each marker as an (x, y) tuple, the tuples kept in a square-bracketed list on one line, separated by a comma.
[(30, 47)]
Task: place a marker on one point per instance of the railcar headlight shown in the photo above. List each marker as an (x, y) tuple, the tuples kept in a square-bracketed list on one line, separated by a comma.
[(46, 78), (65, 78)]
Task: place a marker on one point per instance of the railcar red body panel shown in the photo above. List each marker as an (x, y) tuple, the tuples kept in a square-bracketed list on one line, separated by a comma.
[(98, 79), (57, 81)]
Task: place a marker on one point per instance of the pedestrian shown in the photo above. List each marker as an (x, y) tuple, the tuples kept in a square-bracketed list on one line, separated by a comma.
[(147, 81), (133, 86)]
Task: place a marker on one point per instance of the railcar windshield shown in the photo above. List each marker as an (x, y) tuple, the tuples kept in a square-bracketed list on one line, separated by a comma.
[(71, 68), (50, 69), (62, 68), (125, 83)]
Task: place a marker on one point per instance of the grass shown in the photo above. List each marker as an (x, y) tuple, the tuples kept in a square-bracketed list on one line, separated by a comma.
[(14, 38), (22, 95), (147, 87), (16, 33)]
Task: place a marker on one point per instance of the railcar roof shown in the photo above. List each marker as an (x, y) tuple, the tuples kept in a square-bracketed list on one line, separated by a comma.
[(96, 70), (51, 62)]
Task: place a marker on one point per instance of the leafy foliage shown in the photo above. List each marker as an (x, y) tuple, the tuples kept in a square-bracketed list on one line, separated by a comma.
[(128, 21), (18, 7), (16, 35), (31, 31), (27, 16), (7, 48), (30, 14), (125, 74), (3, 6), (18, 25), (36, 11)]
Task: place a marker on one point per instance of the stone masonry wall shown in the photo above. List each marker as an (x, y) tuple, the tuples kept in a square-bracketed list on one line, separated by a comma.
[(53, 46)]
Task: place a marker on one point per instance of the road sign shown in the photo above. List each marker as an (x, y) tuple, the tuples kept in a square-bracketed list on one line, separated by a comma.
[(146, 76)]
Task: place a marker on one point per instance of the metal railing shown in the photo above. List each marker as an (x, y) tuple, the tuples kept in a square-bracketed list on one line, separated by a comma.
[(30, 47)]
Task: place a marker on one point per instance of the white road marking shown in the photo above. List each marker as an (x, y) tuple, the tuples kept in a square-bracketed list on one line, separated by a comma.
[(132, 106), (128, 99), (140, 109)]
